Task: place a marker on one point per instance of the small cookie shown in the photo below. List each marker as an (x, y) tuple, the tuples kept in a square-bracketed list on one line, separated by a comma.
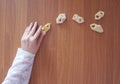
[(61, 18), (46, 28), (78, 18), (99, 15), (96, 27)]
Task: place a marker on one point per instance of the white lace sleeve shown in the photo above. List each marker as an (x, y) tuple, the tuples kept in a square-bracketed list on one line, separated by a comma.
[(20, 71)]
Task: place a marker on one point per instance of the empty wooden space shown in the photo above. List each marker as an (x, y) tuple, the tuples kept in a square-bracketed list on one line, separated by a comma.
[(70, 53)]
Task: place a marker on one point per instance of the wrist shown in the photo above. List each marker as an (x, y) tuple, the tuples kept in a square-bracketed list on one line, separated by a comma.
[(27, 51)]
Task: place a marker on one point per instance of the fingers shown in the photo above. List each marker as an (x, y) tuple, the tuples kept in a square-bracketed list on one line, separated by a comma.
[(41, 37), (27, 30), (30, 27), (33, 30), (37, 33)]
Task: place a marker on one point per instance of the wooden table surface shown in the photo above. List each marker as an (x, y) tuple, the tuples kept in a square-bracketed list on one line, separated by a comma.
[(70, 53)]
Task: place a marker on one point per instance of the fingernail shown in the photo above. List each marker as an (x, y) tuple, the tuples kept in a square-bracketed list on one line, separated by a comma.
[(40, 26), (31, 23), (44, 33), (35, 22)]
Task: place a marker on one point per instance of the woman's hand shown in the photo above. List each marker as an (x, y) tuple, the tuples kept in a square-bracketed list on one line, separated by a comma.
[(32, 38)]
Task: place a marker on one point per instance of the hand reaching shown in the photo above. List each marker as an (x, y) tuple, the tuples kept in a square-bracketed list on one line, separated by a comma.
[(32, 38)]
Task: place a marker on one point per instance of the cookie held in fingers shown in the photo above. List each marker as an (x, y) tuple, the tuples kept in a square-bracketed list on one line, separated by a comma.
[(46, 28)]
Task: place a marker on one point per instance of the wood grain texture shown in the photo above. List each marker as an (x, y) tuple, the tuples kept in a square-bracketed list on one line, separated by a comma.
[(70, 53)]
